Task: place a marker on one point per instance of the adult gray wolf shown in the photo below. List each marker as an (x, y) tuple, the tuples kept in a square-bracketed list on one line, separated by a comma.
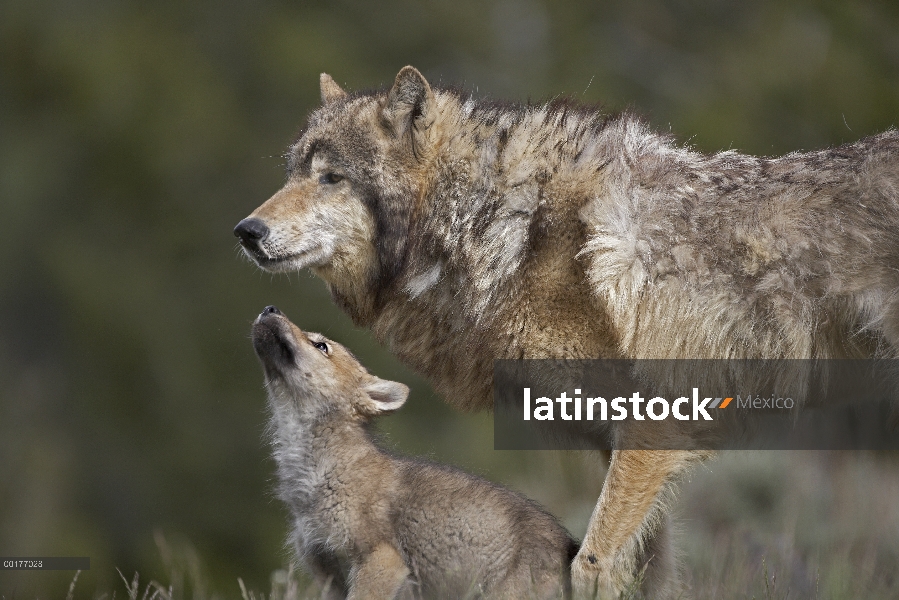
[(401, 526), (461, 231)]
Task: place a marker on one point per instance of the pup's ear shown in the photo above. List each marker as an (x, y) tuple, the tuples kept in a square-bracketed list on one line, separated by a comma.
[(330, 90), (410, 105), (383, 396)]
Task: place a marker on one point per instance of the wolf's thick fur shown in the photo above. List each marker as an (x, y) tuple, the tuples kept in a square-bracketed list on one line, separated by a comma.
[(461, 231), (376, 525)]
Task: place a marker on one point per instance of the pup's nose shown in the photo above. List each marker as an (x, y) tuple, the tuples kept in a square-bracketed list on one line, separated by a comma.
[(271, 310), (251, 231)]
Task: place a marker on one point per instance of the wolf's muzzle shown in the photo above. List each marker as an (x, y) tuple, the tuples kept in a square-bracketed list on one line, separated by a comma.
[(251, 232)]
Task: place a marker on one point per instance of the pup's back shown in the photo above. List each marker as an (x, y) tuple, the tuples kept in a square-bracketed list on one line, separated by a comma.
[(381, 522), (463, 533)]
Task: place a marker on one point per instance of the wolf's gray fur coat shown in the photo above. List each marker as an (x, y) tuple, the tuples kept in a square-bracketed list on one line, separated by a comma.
[(461, 231)]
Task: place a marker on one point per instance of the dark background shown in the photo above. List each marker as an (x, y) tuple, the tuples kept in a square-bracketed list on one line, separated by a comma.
[(135, 135)]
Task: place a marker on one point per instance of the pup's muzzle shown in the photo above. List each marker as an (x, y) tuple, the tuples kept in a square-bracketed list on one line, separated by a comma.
[(272, 339), (270, 310)]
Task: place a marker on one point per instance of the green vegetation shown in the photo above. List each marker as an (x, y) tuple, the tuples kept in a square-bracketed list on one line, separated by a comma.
[(135, 135)]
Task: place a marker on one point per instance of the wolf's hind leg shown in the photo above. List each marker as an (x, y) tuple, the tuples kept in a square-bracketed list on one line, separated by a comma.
[(657, 565), (381, 574)]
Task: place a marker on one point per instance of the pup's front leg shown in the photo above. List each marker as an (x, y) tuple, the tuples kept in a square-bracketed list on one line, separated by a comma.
[(380, 574)]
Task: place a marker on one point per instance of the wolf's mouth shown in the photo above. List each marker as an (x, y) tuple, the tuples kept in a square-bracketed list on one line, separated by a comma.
[(287, 262), (269, 263), (265, 261)]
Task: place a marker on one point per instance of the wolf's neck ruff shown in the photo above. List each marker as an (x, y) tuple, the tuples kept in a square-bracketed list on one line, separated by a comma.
[(494, 242)]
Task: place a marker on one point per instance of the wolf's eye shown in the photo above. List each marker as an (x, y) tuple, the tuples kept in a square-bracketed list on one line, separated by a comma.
[(330, 178), (322, 346)]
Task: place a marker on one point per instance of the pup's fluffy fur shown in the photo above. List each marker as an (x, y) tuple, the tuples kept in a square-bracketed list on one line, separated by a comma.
[(376, 525)]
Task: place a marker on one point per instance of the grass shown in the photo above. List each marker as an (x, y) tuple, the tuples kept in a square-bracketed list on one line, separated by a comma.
[(778, 525), (750, 525)]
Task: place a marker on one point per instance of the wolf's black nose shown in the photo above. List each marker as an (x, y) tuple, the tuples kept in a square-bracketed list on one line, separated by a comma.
[(271, 310), (251, 231)]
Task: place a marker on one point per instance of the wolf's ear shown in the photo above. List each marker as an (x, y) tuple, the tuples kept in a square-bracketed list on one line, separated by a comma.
[(383, 396), (330, 90), (410, 105)]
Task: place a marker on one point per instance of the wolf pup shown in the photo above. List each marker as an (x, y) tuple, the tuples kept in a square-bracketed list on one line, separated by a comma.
[(462, 231), (377, 525)]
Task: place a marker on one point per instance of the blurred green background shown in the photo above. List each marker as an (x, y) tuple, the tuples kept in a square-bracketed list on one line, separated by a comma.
[(135, 135)]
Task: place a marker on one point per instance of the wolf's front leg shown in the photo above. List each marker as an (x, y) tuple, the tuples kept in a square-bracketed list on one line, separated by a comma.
[(627, 538), (381, 574)]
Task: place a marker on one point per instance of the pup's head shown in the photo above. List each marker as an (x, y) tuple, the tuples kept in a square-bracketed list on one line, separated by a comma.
[(315, 375), (352, 178)]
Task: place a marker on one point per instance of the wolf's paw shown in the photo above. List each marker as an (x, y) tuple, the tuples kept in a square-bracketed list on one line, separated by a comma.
[(591, 579)]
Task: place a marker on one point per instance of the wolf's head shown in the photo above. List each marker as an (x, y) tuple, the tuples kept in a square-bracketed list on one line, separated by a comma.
[(353, 177), (312, 374)]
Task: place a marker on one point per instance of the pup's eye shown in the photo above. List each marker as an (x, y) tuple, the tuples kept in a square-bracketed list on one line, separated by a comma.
[(330, 178), (323, 347)]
